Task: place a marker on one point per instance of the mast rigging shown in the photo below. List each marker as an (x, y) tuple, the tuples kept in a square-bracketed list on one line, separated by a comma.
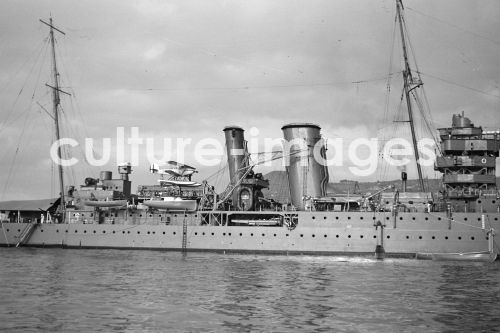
[(409, 85), (56, 102)]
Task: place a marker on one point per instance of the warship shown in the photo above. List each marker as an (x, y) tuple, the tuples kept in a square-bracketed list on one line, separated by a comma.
[(178, 213)]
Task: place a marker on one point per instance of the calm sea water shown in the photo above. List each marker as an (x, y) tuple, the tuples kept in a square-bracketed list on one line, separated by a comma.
[(151, 291)]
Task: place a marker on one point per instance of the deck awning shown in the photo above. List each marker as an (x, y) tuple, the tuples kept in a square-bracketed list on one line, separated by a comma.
[(30, 205)]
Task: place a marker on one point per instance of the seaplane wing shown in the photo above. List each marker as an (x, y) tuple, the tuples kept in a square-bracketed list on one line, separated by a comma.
[(186, 183), (176, 172), (171, 172), (180, 165)]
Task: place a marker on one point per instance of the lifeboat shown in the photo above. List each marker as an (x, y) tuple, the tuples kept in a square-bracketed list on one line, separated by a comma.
[(172, 204)]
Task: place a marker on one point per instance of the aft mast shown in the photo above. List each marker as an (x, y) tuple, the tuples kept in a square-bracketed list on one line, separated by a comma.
[(56, 103), (409, 85)]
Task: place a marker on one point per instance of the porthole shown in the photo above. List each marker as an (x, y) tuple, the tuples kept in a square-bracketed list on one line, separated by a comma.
[(374, 236), (479, 201), (387, 217), (41, 230), (374, 218), (18, 230), (149, 232), (314, 217), (76, 231), (196, 234), (203, 233), (413, 218), (407, 237), (465, 219), (128, 232), (263, 235), (325, 236), (336, 217), (433, 237), (138, 232), (154, 232), (493, 201), (445, 237), (427, 219), (104, 231), (348, 236), (251, 234), (223, 234), (176, 233), (361, 236), (150, 215), (439, 219), (57, 230), (212, 233), (164, 232), (64, 230), (361, 217), (241, 234), (472, 238), (348, 217), (287, 235), (313, 235), (301, 235), (123, 232), (419, 237), (94, 231), (337, 236), (400, 218), (274, 235), (459, 237), (324, 217), (388, 236)]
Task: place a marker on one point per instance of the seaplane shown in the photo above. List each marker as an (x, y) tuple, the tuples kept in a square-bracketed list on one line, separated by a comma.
[(179, 174)]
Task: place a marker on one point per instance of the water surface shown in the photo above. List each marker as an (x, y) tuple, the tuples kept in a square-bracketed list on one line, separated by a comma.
[(61, 290)]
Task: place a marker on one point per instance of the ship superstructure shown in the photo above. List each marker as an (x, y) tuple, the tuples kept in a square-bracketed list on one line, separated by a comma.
[(468, 165)]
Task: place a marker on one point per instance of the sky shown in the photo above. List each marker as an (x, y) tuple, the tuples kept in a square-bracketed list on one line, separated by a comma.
[(187, 69)]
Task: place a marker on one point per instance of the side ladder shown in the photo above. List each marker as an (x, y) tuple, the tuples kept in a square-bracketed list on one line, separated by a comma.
[(184, 234)]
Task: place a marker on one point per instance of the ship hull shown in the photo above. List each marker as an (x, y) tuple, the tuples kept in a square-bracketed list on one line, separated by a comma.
[(315, 233)]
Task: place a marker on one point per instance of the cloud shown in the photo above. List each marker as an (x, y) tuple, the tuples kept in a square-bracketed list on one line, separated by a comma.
[(188, 68)]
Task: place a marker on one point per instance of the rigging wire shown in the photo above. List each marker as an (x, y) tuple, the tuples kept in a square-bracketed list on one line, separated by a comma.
[(475, 34), (319, 84), (41, 51)]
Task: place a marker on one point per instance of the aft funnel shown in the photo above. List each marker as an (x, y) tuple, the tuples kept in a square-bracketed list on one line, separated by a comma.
[(236, 159), (307, 173)]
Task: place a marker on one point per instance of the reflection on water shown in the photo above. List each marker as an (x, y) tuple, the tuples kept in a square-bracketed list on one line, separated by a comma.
[(151, 291)]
